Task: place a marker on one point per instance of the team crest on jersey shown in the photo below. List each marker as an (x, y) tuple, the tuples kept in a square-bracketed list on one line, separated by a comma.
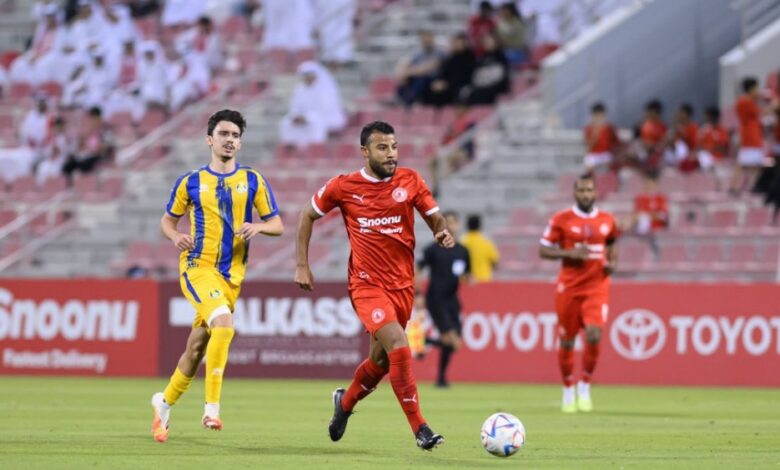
[(378, 315), (191, 263), (241, 188), (604, 228), (400, 194), (215, 293)]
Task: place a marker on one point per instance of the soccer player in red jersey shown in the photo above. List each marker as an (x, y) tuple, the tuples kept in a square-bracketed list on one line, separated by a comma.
[(377, 204), (584, 239)]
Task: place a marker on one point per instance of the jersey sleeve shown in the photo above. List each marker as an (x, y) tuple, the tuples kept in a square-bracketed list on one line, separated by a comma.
[(423, 200), (327, 198), (553, 233), (265, 202), (180, 199)]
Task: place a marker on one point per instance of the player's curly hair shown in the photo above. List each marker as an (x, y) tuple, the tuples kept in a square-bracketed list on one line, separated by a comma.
[(226, 115), (375, 126)]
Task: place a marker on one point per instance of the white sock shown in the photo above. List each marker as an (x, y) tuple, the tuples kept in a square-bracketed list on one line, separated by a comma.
[(569, 394), (583, 389), (165, 406), (211, 410)]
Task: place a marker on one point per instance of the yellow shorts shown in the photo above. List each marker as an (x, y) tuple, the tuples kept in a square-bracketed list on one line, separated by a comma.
[(207, 291)]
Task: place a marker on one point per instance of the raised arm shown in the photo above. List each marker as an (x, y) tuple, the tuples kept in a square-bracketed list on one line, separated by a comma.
[(273, 227), (554, 252), (303, 275), (438, 226)]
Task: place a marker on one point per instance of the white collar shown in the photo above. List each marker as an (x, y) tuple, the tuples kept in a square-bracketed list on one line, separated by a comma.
[(585, 215), (371, 178)]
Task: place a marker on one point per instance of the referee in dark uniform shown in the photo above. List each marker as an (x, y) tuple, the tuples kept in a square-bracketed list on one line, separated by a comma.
[(447, 266)]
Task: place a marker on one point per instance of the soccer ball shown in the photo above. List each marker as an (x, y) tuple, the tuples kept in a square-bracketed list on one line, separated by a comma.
[(502, 434)]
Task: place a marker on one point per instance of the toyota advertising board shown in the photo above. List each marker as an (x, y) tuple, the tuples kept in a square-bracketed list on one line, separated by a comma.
[(664, 334), (84, 327), (281, 331)]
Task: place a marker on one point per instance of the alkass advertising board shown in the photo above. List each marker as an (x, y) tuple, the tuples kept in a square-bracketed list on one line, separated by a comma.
[(663, 334), (281, 331), (84, 327)]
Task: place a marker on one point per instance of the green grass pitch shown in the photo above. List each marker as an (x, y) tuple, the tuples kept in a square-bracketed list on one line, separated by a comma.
[(53, 423)]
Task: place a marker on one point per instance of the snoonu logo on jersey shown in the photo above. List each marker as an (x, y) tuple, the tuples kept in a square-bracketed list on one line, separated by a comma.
[(215, 293)]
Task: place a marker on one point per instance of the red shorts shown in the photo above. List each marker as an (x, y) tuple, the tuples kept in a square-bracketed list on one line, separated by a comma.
[(577, 310), (376, 307)]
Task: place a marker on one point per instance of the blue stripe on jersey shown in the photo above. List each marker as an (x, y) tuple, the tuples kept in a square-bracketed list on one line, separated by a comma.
[(271, 200), (190, 288), (173, 195), (251, 178), (193, 190), (225, 201)]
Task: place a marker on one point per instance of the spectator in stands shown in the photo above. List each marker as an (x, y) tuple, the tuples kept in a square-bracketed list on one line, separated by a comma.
[(601, 140), (141, 8), (751, 154), (713, 140), (651, 212), (457, 156), (652, 136), (179, 13), (511, 32), (56, 151), (36, 66), (684, 141), (491, 75), (119, 20), (315, 109), (189, 79), (453, 75), (203, 39), (483, 254), (480, 25), (288, 25), (416, 72), (335, 27), (36, 127), (152, 76), (124, 98), (91, 83), (92, 147)]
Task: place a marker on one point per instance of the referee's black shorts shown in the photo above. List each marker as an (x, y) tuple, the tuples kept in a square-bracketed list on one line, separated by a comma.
[(444, 311)]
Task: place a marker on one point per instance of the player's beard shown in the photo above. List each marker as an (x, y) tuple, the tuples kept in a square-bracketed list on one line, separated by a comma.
[(586, 207), (380, 170)]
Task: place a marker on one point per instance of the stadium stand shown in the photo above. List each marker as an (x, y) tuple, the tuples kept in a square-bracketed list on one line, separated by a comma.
[(522, 172)]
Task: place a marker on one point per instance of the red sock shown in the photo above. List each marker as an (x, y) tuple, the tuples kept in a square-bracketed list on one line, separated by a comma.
[(405, 387), (589, 358), (367, 375), (566, 363)]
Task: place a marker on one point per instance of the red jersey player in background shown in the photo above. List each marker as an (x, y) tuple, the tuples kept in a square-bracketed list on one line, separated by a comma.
[(584, 239), (377, 204), (751, 154), (601, 140), (713, 140)]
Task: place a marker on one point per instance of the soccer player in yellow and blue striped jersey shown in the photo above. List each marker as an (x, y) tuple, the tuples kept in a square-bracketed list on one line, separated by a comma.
[(220, 198)]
